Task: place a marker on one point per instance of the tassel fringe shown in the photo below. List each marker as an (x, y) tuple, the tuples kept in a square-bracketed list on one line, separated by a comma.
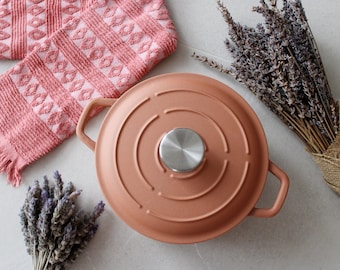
[(11, 166)]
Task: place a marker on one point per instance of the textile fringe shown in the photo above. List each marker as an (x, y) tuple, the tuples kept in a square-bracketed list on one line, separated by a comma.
[(329, 163), (12, 166)]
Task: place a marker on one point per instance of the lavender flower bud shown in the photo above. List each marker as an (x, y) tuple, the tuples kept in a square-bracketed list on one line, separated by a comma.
[(69, 189), (44, 224), (61, 215), (58, 188), (45, 191)]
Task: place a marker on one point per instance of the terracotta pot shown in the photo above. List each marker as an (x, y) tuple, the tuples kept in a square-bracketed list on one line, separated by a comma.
[(182, 158)]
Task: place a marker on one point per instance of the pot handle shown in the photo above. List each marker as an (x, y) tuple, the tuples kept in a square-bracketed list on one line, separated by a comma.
[(281, 196), (91, 108)]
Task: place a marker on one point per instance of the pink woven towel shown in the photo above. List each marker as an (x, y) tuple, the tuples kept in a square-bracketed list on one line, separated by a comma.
[(25, 24), (100, 53)]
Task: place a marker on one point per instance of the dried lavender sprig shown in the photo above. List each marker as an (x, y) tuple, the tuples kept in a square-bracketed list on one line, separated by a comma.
[(309, 59), (45, 191), (58, 188), (295, 16), (254, 64), (211, 63), (44, 224), (64, 244), (89, 221), (63, 211), (85, 232), (24, 226), (69, 188), (32, 211), (279, 30), (279, 63), (79, 248), (46, 212), (307, 62)]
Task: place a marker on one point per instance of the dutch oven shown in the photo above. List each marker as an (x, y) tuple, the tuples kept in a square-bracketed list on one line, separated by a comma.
[(182, 158)]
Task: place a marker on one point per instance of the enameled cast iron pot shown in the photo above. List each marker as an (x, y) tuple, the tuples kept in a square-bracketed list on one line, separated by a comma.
[(182, 158)]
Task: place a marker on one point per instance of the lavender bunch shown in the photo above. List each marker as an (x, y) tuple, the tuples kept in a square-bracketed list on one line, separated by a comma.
[(279, 61), (54, 229)]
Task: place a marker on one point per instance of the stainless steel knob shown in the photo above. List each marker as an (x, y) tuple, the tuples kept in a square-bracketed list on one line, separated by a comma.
[(182, 150)]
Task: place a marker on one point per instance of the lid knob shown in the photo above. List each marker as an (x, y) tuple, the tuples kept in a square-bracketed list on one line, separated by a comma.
[(182, 150)]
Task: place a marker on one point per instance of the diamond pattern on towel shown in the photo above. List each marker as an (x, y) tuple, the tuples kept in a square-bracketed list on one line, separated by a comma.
[(78, 54), (32, 21)]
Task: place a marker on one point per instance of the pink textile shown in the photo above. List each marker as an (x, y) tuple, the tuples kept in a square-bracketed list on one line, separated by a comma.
[(109, 46), (25, 24)]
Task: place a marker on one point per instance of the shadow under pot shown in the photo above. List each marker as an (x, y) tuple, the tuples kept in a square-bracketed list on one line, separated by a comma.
[(182, 158)]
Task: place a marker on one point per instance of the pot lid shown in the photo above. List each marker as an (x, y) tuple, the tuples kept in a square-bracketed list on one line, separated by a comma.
[(181, 158)]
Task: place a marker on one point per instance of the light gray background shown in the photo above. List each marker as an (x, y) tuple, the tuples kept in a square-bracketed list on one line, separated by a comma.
[(305, 234)]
